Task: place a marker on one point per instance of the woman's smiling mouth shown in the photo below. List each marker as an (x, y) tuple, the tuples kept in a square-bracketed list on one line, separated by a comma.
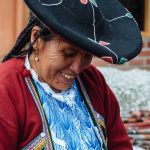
[(68, 76)]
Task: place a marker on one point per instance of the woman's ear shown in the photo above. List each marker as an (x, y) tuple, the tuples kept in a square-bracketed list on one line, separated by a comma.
[(34, 34)]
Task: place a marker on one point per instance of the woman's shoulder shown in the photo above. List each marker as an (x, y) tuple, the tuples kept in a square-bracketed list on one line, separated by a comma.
[(8, 64), (11, 67)]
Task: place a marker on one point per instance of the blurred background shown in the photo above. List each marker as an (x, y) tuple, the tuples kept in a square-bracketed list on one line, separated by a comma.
[(130, 82)]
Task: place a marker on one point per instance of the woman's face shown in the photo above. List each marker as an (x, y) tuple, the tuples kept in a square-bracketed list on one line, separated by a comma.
[(59, 63)]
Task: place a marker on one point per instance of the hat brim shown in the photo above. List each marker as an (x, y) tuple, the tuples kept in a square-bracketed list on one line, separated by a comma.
[(120, 42)]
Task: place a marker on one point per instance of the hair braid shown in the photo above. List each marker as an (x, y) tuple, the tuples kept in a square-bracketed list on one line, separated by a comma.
[(22, 40)]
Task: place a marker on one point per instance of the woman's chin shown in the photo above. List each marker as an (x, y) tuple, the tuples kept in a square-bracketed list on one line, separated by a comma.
[(61, 87)]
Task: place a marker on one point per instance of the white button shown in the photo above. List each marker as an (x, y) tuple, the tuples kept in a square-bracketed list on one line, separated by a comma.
[(42, 134)]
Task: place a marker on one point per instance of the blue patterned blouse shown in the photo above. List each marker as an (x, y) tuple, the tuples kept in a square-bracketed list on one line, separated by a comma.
[(69, 121)]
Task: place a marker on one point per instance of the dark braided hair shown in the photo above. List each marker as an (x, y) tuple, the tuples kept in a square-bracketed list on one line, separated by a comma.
[(24, 39)]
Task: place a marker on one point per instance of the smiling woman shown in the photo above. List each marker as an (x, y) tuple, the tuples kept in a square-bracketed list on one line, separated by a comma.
[(58, 63), (51, 96)]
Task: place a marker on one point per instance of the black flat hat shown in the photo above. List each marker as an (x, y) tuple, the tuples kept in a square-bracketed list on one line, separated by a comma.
[(101, 27)]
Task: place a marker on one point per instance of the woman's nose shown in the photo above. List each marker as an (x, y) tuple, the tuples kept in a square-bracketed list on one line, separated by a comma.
[(77, 65)]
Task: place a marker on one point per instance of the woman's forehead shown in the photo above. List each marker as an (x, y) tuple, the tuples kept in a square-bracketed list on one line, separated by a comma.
[(68, 46)]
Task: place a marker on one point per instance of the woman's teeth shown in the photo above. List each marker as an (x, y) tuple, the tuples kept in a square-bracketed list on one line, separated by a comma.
[(68, 76)]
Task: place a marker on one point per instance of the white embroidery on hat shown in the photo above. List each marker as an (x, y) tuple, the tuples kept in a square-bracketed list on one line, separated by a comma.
[(94, 33), (116, 18), (51, 4), (93, 21), (93, 2), (126, 15), (105, 47)]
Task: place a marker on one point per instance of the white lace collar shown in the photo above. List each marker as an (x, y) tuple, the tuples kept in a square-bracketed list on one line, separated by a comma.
[(67, 96)]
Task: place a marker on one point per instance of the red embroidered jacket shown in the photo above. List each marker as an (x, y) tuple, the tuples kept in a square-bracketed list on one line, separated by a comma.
[(20, 119)]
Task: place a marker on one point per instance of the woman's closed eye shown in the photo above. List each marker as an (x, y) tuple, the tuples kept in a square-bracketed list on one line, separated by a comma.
[(70, 53)]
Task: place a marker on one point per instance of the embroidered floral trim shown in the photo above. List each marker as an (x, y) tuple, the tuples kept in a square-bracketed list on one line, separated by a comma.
[(123, 60), (103, 43), (101, 120), (32, 88), (37, 144), (129, 15), (93, 114), (101, 123), (107, 58), (84, 1)]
